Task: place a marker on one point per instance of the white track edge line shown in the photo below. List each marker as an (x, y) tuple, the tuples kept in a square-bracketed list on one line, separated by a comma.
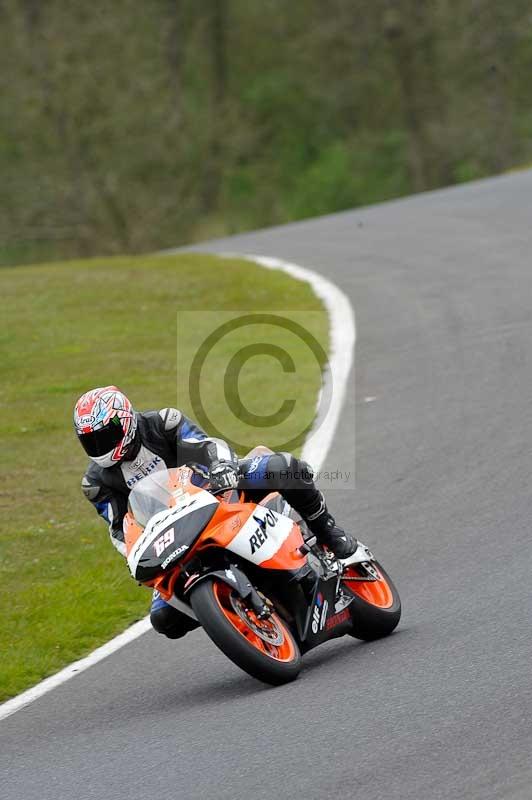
[(27, 697), (342, 335), (341, 354)]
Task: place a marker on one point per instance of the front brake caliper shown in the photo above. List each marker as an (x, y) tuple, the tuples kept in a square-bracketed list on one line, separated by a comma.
[(368, 566), (258, 605)]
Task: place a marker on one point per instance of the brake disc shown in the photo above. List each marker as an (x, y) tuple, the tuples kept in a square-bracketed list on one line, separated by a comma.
[(271, 636)]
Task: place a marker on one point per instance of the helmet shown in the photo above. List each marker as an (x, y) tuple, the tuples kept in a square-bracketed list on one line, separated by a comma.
[(106, 425)]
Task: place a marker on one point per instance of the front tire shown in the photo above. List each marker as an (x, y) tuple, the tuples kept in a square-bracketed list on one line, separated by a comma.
[(265, 649), (376, 606)]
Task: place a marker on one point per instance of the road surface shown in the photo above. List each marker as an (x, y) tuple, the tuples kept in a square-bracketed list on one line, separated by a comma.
[(442, 289)]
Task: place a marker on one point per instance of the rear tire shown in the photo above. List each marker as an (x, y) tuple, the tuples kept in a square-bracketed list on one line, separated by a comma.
[(376, 607), (271, 655)]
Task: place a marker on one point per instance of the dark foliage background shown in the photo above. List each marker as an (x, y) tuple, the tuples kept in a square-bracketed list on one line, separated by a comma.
[(130, 126)]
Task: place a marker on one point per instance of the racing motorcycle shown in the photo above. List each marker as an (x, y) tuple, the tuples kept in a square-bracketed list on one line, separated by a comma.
[(252, 574)]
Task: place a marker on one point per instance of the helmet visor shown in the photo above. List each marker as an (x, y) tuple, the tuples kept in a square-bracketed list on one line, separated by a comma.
[(104, 440)]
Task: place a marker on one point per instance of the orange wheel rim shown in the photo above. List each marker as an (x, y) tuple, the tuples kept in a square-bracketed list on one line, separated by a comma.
[(375, 592), (275, 641)]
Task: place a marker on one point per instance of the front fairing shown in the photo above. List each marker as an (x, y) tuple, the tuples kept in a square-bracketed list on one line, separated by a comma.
[(171, 513)]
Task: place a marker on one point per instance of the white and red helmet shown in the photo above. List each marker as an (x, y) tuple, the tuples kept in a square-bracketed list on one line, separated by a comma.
[(106, 424)]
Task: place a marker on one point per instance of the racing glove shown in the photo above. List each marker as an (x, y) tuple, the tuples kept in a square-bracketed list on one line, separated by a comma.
[(223, 475)]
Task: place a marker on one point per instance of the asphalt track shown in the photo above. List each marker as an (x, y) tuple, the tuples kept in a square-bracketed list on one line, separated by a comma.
[(442, 288)]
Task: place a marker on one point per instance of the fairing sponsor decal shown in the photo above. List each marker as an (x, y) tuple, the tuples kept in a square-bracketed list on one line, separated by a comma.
[(337, 619), (177, 552), (261, 536)]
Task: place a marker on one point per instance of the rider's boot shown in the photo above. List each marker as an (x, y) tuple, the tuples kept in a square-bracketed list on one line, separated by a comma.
[(327, 532), (295, 480), (312, 507)]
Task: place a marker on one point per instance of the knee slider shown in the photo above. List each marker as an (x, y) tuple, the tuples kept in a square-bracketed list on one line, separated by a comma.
[(169, 621)]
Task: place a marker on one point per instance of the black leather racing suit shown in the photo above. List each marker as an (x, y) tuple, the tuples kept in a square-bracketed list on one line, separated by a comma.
[(167, 438)]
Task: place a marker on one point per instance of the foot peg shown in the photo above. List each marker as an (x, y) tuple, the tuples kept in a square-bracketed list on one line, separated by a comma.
[(307, 546)]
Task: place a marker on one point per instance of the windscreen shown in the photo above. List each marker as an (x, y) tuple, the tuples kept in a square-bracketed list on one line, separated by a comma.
[(149, 496), (173, 513)]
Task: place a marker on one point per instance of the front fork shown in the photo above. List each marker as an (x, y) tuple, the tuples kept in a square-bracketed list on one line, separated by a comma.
[(237, 580)]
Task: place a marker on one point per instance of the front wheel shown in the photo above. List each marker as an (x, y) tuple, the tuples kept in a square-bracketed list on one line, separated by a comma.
[(264, 649), (376, 607)]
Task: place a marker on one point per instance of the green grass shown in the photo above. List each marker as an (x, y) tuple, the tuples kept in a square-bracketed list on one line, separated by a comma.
[(68, 327)]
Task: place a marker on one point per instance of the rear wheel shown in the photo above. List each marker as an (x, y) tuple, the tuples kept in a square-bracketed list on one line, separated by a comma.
[(376, 607), (264, 648)]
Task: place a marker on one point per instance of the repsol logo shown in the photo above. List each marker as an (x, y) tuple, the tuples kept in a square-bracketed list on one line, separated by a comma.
[(259, 535)]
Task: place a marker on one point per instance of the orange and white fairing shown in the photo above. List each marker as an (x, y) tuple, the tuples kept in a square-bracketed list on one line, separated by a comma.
[(256, 533)]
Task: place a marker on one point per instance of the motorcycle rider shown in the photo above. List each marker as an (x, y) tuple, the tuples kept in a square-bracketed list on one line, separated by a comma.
[(125, 445)]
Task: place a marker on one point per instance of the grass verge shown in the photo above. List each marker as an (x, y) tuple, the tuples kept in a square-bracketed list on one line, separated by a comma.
[(73, 325)]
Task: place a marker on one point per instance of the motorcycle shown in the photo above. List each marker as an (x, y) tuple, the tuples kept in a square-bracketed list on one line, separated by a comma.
[(252, 574)]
